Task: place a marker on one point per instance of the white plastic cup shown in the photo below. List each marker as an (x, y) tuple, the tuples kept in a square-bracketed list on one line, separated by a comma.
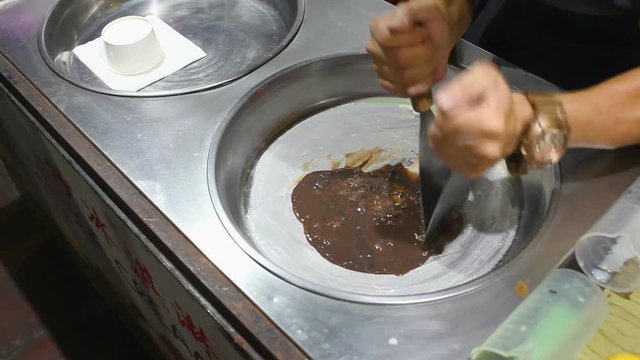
[(609, 253), (554, 322), (131, 45), (612, 261)]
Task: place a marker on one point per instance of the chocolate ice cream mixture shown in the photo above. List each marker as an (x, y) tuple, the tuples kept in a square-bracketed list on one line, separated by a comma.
[(368, 221)]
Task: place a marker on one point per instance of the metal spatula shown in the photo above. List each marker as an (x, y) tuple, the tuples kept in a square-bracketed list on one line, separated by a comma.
[(441, 189)]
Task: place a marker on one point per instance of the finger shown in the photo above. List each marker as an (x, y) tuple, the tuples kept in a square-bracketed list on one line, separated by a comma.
[(410, 82), (466, 144), (457, 134), (409, 77), (393, 29), (399, 58), (438, 72), (462, 125), (482, 129), (468, 89), (458, 158), (490, 124), (376, 53), (415, 80), (410, 56), (400, 20), (467, 164), (431, 16), (382, 73), (424, 11), (392, 88)]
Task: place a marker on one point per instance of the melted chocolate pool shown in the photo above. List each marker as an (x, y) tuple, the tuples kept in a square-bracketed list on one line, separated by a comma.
[(368, 221)]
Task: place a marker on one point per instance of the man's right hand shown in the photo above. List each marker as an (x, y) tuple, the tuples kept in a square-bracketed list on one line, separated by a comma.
[(480, 119)]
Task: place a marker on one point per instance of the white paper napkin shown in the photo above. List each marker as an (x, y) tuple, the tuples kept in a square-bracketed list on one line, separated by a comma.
[(178, 53)]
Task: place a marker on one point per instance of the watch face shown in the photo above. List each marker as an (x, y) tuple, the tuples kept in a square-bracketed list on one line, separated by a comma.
[(545, 140), (549, 147)]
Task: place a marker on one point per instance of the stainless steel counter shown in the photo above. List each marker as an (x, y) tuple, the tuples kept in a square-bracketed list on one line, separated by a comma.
[(161, 144)]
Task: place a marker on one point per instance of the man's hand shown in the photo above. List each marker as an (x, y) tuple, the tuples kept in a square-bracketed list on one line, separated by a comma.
[(410, 46), (479, 121)]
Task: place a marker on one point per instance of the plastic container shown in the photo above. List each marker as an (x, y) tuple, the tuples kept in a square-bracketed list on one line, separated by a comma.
[(554, 322), (609, 253), (131, 45)]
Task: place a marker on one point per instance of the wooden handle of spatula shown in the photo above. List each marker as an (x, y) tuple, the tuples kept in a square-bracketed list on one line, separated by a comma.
[(422, 103)]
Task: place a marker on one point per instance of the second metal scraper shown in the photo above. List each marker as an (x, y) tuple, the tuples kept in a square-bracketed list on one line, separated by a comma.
[(441, 189)]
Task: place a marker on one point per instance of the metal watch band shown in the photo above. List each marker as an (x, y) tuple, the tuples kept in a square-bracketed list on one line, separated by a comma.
[(544, 140)]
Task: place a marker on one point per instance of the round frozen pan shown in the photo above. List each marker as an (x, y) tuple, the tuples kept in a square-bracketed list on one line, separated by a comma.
[(307, 118), (237, 35)]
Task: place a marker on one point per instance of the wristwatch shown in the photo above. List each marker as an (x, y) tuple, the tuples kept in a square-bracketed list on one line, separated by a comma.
[(544, 140)]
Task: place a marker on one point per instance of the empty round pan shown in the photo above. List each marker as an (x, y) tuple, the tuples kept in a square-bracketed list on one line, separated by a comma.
[(307, 118), (237, 35)]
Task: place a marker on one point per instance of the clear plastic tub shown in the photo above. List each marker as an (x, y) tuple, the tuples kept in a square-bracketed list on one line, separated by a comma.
[(554, 322), (609, 253)]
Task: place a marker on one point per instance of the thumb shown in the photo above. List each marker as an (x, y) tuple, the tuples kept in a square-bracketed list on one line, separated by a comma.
[(401, 19), (425, 11)]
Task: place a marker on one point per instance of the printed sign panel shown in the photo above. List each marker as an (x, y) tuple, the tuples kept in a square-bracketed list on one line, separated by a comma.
[(111, 246)]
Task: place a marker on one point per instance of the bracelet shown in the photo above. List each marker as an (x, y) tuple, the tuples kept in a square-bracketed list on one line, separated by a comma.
[(544, 140)]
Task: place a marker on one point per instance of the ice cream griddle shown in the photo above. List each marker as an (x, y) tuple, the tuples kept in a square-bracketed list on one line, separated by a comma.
[(313, 117)]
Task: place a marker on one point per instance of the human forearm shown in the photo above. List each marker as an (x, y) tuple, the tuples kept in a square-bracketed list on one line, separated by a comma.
[(606, 115), (481, 120)]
